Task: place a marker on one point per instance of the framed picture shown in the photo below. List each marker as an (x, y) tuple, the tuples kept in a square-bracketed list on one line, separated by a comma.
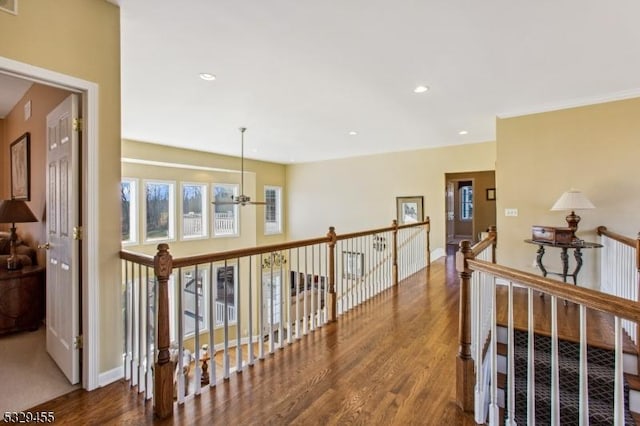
[(491, 194), (352, 264), (409, 209), (20, 168), (10, 6)]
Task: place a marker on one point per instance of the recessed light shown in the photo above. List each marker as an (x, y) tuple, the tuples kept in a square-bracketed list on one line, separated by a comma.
[(353, 133), (421, 89), (207, 77), (463, 132)]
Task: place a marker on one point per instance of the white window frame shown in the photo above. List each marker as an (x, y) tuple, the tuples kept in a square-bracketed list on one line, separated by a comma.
[(133, 211), (171, 213), (219, 324), (464, 194), (236, 212), (204, 189), (273, 228), (204, 306)]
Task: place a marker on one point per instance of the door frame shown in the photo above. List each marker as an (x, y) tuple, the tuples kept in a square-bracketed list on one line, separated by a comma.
[(455, 180), (90, 277)]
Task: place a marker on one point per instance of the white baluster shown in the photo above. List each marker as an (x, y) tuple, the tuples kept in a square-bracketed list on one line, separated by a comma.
[(531, 369), (494, 410), (511, 371), (584, 362), (555, 378), (618, 398), (181, 378), (237, 317)]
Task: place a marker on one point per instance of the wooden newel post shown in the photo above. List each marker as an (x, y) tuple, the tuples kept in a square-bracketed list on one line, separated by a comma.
[(493, 232), (394, 269), (333, 301), (465, 379), (427, 228), (163, 373)]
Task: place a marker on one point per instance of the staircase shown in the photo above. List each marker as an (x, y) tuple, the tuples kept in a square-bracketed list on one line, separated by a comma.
[(600, 381)]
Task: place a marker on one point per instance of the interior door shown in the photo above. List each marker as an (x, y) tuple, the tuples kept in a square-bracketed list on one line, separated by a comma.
[(450, 211), (63, 216)]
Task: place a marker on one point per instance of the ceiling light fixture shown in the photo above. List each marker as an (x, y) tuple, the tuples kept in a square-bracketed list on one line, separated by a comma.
[(421, 89), (207, 77), (353, 133), (241, 199), (463, 132)]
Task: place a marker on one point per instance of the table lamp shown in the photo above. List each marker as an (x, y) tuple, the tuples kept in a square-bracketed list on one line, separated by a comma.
[(573, 200), (15, 211)]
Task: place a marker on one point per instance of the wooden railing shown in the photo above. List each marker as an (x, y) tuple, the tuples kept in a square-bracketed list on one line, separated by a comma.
[(472, 386), (620, 271), (258, 299)]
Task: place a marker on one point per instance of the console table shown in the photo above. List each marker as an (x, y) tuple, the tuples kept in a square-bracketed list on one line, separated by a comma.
[(22, 299), (564, 257)]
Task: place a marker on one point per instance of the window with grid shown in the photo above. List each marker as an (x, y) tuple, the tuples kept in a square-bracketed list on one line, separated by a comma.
[(466, 202), (272, 210)]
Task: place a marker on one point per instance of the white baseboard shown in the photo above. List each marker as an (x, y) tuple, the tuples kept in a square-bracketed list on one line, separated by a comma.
[(110, 376), (437, 254)]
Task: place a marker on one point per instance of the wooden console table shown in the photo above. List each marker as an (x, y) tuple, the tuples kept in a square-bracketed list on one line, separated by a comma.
[(22, 299), (564, 257)]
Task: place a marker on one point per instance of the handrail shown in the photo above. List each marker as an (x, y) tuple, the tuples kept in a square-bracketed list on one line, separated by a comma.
[(602, 230), (590, 298), (181, 262)]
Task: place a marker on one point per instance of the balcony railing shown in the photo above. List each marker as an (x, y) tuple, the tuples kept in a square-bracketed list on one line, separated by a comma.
[(261, 299), (477, 360)]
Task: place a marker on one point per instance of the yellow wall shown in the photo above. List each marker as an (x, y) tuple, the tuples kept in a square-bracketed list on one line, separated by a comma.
[(593, 148), (81, 38), (484, 211), (360, 193)]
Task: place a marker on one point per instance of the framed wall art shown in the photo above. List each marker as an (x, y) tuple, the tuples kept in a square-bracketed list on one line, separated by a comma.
[(20, 168), (409, 209)]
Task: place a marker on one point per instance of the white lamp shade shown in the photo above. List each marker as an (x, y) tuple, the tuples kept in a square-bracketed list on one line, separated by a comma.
[(573, 200)]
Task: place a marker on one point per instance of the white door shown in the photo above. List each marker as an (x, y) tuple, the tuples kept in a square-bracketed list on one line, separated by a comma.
[(62, 226)]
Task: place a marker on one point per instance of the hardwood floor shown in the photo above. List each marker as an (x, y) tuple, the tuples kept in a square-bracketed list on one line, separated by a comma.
[(390, 361)]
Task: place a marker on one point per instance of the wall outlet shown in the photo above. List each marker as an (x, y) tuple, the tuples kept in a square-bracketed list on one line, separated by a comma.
[(511, 212)]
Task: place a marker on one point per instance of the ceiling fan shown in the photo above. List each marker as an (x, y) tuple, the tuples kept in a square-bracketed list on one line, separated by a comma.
[(241, 199)]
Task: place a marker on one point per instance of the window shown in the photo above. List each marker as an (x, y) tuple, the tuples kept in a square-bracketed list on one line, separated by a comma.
[(159, 210), (128, 222), (225, 294), (194, 210), (225, 219), (272, 211), (466, 202), (194, 294)]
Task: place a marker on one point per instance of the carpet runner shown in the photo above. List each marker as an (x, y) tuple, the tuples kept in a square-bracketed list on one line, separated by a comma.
[(600, 382)]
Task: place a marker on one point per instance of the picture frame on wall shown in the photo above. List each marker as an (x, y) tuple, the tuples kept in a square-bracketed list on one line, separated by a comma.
[(491, 194), (9, 6), (20, 159), (409, 209)]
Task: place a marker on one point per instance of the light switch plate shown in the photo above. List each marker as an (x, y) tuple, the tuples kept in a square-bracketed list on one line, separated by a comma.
[(511, 212)]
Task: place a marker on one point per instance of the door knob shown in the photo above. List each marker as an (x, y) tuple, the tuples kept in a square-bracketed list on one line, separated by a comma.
[(46, 246)]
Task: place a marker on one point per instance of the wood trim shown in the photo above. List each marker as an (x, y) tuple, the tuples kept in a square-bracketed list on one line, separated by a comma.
[(602, 230), (480, 246), (590, 298), (379, 230), (142, 259)]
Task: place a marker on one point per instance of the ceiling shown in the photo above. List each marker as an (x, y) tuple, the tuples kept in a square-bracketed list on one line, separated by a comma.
[(302, 75), (12, 89)]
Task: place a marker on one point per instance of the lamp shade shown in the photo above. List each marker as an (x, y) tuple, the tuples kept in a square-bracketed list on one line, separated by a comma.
[(15, 211), (573, 200)]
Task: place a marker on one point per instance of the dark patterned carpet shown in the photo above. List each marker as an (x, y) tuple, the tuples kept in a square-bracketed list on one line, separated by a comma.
[(600, 382)]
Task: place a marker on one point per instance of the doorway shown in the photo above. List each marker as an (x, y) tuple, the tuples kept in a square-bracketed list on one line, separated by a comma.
[(470, 206), (87, 281)]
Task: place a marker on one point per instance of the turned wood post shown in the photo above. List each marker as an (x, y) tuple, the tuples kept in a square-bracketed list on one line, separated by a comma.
[(394, 269), (333, 301), (493, 232), (465, 379), (427, 228), (163, 373)]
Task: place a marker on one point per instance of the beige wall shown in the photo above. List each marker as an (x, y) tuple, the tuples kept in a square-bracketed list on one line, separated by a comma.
[(43, 99), (360, 193), (81, 38), (593, 148)]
